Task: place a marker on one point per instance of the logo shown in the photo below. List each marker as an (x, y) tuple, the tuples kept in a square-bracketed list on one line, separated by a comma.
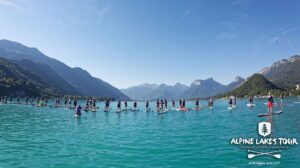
[(264, 145), (264, 128)]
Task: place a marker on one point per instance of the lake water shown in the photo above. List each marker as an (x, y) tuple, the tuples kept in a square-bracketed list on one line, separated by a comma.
[(49, 137)]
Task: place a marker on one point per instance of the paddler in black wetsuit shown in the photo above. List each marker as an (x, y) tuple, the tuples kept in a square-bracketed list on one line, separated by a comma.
[(75, 102), (180, 103), (230, 102), (106, 105), (78, 110), (66, 102), (125, 104), (147, 105), (173, 103), (87, 106), (166, 104), (251, 100), (197, 104), (119, 105), (134, 105), (94, 103)]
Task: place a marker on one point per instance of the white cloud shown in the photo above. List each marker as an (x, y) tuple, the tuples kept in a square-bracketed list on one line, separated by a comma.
[(18, 5), (290, 29)]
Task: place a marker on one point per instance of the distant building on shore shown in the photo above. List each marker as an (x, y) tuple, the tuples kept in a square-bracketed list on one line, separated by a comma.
[(298, 87)]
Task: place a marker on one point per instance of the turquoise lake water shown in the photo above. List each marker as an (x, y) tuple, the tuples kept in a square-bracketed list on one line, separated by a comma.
[(49, 137)]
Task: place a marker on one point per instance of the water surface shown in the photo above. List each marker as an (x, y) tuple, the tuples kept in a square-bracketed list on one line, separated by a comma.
[(36, 137)]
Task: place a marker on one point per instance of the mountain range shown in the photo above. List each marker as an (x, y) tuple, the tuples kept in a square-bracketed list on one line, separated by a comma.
[(210, 87), (281, 76), (154, 91), (285, 73), (75, 81), (199, 88)]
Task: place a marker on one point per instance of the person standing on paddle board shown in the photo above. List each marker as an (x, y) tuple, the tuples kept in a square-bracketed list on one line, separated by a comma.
[(78, 110), (106, 105), (161, 105), (180, 103), (70, 102), (87, 106), (281, 100), (173, 103), (166, 104), (210, 103), (234, 101), (230, 102), (75, 102), (26, 99), (183, 103), (37, 101), (94, 103), (250, 100), (147, 105), (119, 105), (197, 103), (125, 104), (66, 102), (134, 105), (157, 105), (270, 104)]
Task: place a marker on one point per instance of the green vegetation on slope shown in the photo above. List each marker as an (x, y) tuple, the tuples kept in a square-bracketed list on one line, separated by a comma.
[(17, 81), (255, 85)]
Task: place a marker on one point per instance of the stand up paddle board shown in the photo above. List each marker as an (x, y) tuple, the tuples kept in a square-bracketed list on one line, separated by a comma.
[(267, 114), (251, 105)]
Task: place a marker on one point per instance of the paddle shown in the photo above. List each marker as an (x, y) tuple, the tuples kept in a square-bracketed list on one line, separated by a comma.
[(251, 155)]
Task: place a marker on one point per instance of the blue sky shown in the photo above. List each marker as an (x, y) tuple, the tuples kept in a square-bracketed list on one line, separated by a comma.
[(129, 42)]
